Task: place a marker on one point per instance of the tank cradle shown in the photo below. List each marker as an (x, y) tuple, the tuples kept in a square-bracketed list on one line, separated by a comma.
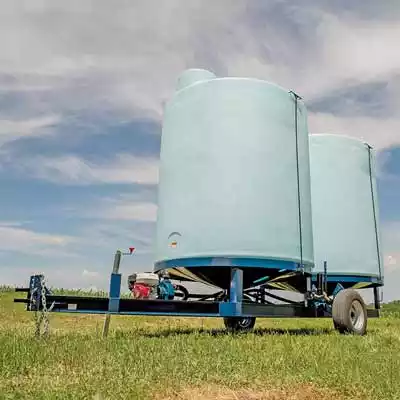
[(239, 308)]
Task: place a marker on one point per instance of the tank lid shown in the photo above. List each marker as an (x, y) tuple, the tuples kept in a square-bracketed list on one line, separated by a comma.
[(193, 75)]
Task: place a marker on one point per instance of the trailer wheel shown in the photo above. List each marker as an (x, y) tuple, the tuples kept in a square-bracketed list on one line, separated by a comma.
[(184, 291), (349, 312), (239, 324)]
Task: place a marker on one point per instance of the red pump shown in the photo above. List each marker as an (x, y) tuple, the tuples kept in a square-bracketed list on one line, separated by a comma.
[(141, 291)]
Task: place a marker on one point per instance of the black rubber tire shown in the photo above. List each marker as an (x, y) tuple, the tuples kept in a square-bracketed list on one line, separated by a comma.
[(349, 312), (239, 324), (184, 291)]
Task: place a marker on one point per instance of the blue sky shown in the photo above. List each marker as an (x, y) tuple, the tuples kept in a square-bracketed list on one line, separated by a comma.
[(82, 88)]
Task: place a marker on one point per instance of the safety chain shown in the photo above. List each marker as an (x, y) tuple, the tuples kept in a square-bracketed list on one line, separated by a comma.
[(44, 312), (43, 315), (36, 318)]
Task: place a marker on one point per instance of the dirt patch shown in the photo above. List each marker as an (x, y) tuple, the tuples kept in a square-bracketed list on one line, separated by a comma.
[(303, 392)]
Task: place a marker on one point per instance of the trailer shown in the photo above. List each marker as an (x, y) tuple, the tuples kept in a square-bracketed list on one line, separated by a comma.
[(249, 202), (238, 307)]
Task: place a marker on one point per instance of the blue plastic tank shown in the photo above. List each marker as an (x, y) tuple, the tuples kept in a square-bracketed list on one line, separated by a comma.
[(234, 180), (345, 210)]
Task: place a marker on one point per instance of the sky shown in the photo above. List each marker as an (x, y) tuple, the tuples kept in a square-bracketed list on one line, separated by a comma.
[(82, 89)]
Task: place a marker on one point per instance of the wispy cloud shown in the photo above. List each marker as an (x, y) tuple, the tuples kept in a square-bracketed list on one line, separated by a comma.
[(11, 130), (75, 170), (129, 211), (119, 221), (111, 234), (392, 262), (346, 44), (21, 240), (387, 174), (308, 48), (129, 68), (78, 277), (90, 274), (390, 233), (379, 133)]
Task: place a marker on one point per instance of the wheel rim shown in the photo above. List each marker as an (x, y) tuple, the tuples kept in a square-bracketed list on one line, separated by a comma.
[(357, 316), (245, 322)]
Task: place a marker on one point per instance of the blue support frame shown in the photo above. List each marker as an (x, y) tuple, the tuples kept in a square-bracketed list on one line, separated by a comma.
[(351, 278), (233, 308), (338, 288), (234, 262), (115, 292)]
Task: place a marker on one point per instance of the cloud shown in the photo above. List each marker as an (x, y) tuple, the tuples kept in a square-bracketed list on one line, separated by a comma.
[(130, 211), (390, 237), (390, 162), (11, 130), (390, 244), (106, 235), (379, 133), (130, 63), (119, 221), (392, 260), (90, 274), (76, 278), (392, 277), (12, 223), (130, 55), (73, 170), (314, 51), (355, 41), (20, 240), (353, 51)]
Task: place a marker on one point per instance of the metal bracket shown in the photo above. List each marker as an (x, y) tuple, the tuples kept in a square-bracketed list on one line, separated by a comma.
[(234, 306), (337, 289), (295, 95), (115, 289)]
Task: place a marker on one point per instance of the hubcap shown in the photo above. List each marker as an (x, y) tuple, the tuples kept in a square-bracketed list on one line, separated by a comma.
[(357, 315), (245, 322)]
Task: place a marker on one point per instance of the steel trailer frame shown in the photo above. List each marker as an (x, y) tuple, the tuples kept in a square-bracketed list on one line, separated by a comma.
[(238, 303), (239, 307)]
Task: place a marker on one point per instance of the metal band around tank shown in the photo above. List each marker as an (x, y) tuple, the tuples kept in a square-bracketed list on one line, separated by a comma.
[(296, 97), (374, 210)]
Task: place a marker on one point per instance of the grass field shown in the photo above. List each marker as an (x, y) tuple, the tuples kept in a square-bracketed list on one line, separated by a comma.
[(177, 358)]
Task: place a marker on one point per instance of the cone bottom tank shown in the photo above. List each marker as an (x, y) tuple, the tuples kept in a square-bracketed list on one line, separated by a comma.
[(345, 211), (234, 183)]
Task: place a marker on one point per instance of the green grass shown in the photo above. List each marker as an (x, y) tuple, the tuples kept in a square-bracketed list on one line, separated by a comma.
[(148, 357)]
